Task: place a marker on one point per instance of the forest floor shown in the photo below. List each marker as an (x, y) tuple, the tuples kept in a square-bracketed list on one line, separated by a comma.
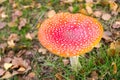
[(23, 58)]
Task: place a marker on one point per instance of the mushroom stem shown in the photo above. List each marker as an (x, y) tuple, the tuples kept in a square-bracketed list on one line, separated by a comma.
[(75, 64)]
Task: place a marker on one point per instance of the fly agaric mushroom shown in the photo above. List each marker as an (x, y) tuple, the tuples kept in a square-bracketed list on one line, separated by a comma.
[(70, 35)]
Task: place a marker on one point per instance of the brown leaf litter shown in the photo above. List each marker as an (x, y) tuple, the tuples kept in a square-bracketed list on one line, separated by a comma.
[(107, 36), (2, 25), (16, 65), (116, 24), (114, 48), (93, 75), (114, 67), (23, 22)]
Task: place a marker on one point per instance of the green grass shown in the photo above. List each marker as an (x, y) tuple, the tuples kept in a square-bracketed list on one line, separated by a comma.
[(98, 61)]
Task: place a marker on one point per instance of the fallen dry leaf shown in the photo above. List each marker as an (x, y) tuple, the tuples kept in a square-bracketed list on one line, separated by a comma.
[(51, 13), (116, 24), (89, 1), (29, 54), (13, 37), (2, 25), (27, 6), (17, 13), (116, 33), (12, 24), (23, 65), (113, 5), (115, 13), (0, 58), (65, 61), (114, 48), (107, 36), (10, 54), (19, 62), (104, 2), (32, 5), (3, 15), (21, 52), (15, 5), (7, 66), (11, 1), (68, 1), (11, 44), (3, 46), (38, 5), (2, 72), (94, 75), (28, 69), (21, 69), (42, 50), (111, 52), (89, 9), (114, 67), (6, 75), (14, 73), (70, 8), (7, 59), (2, 9), (106, 16), (28, 36), (22, 23), (31, 75), (83, 11), (58, 76), (115, 45), (97, 13), (89, 4)]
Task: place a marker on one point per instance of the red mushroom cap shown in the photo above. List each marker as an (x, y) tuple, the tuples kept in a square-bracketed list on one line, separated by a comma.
[(68, 35)]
